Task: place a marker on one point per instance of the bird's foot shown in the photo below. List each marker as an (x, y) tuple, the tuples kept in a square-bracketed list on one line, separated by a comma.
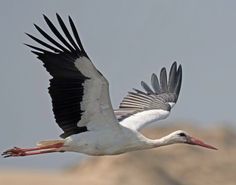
[(14, 152)]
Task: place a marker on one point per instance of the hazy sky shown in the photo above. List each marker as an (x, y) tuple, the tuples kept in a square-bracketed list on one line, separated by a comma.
[(127, 41)]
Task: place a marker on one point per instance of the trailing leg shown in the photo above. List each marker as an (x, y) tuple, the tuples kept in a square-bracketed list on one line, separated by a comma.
[(41, 149)]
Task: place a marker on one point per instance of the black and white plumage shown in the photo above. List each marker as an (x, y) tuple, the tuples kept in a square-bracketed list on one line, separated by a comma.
[(155, 103), (82, 106)]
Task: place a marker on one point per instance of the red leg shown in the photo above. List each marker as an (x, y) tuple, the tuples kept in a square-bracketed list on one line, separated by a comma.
[(16, 152)]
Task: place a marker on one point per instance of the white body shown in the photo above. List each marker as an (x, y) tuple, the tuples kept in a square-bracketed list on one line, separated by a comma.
[(105, 142), (121, 139)]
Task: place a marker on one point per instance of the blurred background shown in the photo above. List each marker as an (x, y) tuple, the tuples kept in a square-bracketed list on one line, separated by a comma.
[(127, 41)]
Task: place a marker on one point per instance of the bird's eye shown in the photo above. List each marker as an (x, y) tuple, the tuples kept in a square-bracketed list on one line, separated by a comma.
[(182, 134)]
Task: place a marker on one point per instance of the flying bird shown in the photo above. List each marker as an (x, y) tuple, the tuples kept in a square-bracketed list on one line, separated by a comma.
[(82, 106)]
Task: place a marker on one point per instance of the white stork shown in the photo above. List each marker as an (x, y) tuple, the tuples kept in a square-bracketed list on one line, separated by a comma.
[(82, 106)]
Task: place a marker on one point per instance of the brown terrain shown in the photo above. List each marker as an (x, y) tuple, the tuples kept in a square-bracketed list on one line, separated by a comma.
[(172, 165)]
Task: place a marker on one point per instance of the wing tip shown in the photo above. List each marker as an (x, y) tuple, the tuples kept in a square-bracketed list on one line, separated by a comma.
[(164, 86)]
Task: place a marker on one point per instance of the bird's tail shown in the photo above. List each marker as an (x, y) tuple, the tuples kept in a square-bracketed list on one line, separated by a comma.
[(50, 142)]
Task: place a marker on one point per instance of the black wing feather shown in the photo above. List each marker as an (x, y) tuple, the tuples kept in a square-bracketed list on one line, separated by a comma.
[(163, 80), (66, 86), (146, 88), (42, 43), (57, 33), (172, 77), (66, 32), (76, 35), (50, 39), (155, 83), (179, 81)]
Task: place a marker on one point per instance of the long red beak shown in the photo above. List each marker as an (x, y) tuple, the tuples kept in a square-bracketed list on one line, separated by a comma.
[(194, 141)]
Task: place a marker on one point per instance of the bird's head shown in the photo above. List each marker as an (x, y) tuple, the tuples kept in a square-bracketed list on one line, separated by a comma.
[(183, 137)]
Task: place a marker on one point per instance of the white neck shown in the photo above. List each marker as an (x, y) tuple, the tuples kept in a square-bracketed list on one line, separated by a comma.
[(154, 143)]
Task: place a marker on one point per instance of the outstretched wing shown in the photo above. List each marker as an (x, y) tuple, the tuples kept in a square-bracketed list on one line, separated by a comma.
[(79, 92), (141, 108)]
